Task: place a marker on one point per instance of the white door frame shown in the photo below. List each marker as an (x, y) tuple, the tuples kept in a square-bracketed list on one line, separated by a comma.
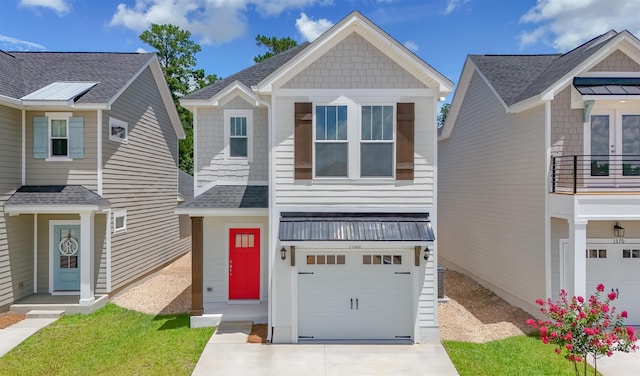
[(227, 228), (59, 222)]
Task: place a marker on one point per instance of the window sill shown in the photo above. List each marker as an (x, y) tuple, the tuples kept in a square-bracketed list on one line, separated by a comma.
[(119, 140), (119, 231), (59, 159), (345, 181)]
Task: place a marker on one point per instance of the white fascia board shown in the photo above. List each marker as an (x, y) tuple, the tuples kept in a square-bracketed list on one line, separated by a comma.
[(236, 88), (350, 243), (222, 212), (52, 209), (374, 35), (11, 102)]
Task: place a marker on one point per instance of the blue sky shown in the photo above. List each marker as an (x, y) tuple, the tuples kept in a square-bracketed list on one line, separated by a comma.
[(442, 32)]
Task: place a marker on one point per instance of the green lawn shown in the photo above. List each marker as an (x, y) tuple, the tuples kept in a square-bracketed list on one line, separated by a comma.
[(110, 341), (519, 355)]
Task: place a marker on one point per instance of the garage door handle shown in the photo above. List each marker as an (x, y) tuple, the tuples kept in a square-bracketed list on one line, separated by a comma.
[(305, 272), (351, 303), (356, 303), (403, 272)]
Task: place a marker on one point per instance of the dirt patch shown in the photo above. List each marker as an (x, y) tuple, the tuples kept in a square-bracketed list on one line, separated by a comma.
[(167, 291), (9, 318), (258, 334), (475, 314)]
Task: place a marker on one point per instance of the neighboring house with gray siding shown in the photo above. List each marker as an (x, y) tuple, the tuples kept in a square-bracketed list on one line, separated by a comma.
[(88, 176), (315, 177), (539, 173)]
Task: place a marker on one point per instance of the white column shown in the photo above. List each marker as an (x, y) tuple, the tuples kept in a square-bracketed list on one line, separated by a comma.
[(86, 259), (578, 240)]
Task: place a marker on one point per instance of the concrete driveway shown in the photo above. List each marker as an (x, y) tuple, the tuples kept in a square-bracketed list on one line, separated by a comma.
[(323, 360)]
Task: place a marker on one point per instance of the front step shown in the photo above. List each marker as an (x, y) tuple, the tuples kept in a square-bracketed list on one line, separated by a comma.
[(44, 314)]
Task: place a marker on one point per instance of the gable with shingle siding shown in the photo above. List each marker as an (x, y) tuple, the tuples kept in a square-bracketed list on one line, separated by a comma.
[(618, 61), (354, 63)]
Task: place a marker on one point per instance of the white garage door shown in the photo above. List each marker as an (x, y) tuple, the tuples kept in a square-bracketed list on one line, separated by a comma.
[(355, 294), (617, 267)]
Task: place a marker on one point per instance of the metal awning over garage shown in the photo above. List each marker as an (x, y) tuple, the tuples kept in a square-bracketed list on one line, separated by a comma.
[(607, 85), (297, 226)]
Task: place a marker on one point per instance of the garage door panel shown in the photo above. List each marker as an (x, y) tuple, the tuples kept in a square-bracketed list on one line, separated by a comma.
[(356, 300)]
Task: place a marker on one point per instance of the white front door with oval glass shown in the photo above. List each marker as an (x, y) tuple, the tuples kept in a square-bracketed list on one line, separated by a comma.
[(66, 257)]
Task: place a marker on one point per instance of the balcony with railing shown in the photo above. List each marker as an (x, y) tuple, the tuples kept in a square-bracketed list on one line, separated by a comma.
[(573, 174)]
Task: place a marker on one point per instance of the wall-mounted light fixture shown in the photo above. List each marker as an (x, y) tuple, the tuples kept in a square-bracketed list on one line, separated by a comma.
[(427, 253), (283, 253), (618, 230)]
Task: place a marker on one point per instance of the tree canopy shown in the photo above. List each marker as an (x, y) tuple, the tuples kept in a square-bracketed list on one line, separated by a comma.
[(274, 46), (177, 55), (444, 111)]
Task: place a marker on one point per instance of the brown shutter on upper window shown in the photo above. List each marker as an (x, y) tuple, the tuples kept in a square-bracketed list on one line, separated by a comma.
[(303, 141), (405, 118)]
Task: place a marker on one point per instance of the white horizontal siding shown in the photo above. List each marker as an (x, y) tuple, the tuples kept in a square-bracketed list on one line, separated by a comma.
[(359, 192), (491, 196)]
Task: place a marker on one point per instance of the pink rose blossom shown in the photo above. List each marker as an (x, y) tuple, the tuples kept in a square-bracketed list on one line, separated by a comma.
[(600, 288)]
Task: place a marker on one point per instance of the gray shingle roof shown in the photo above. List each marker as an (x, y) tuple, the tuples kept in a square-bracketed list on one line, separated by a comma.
[(519, 77), (231, 197), (250, 76), (22, 73), (355, 227), (56, 195)]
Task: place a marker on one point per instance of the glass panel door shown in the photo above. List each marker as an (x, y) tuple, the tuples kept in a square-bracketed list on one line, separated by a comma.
[(601, 136), (630, 145)]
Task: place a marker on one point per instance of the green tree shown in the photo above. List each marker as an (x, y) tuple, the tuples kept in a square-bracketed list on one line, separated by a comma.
[(177, 55), (444, 111), (274, 46)]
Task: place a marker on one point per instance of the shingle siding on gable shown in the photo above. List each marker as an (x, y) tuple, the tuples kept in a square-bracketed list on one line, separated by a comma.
[(491, 186), (567, 129), (618, 61), (16, 244), (211, 164), (354, 63), (141, 176)]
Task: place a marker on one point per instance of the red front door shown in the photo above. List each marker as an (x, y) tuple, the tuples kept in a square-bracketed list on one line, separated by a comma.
[(244, 263)]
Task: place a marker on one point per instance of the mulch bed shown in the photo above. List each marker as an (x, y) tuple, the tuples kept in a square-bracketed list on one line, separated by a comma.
[(258, 334), (9, 318)]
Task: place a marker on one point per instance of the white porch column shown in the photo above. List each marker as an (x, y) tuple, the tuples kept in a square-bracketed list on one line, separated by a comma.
[(578, 241), (86, 259)]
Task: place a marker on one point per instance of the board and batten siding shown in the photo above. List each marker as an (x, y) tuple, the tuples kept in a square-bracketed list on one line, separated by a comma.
[(216, 256), (141, 178), (80, 171), (16, 241), (211, 164), (360, 192), (491, 197)]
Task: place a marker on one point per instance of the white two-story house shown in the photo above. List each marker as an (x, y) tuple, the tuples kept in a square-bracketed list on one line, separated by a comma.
[(539, 173), (315, 191)]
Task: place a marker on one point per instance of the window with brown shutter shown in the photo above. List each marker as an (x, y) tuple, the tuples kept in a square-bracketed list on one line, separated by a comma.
[(303, 141), (405, 117)]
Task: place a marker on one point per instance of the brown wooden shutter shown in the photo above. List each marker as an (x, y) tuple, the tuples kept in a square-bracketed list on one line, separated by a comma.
[(405, 118), (303, 141)]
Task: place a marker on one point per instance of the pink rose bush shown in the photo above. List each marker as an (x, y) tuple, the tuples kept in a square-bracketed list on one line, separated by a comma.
[(580, 327)]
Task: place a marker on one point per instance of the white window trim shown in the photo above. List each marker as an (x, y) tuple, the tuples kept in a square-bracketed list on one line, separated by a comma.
[(116, 215), (119, 123), (354, 140), (57, 116), (393, 140), (248, 114)]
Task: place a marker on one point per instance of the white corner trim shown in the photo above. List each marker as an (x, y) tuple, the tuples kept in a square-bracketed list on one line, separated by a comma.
[(24, 147), (99, 131), (108, 251), (35, 253)]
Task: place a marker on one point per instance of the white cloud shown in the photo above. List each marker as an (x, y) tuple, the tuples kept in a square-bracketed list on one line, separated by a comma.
[(311, 29), (568, 23), (453, 5), (412, 45), (141, 50), (13, 44), (213, 21), (59, 6)]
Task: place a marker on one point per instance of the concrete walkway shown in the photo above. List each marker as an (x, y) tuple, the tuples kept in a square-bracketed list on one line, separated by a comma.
[(228, 353), (16, 333), (620, 364)]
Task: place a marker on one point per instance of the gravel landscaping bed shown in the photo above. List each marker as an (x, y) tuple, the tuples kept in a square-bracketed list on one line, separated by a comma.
[(9, 318), (165, 292), (475, 314)]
